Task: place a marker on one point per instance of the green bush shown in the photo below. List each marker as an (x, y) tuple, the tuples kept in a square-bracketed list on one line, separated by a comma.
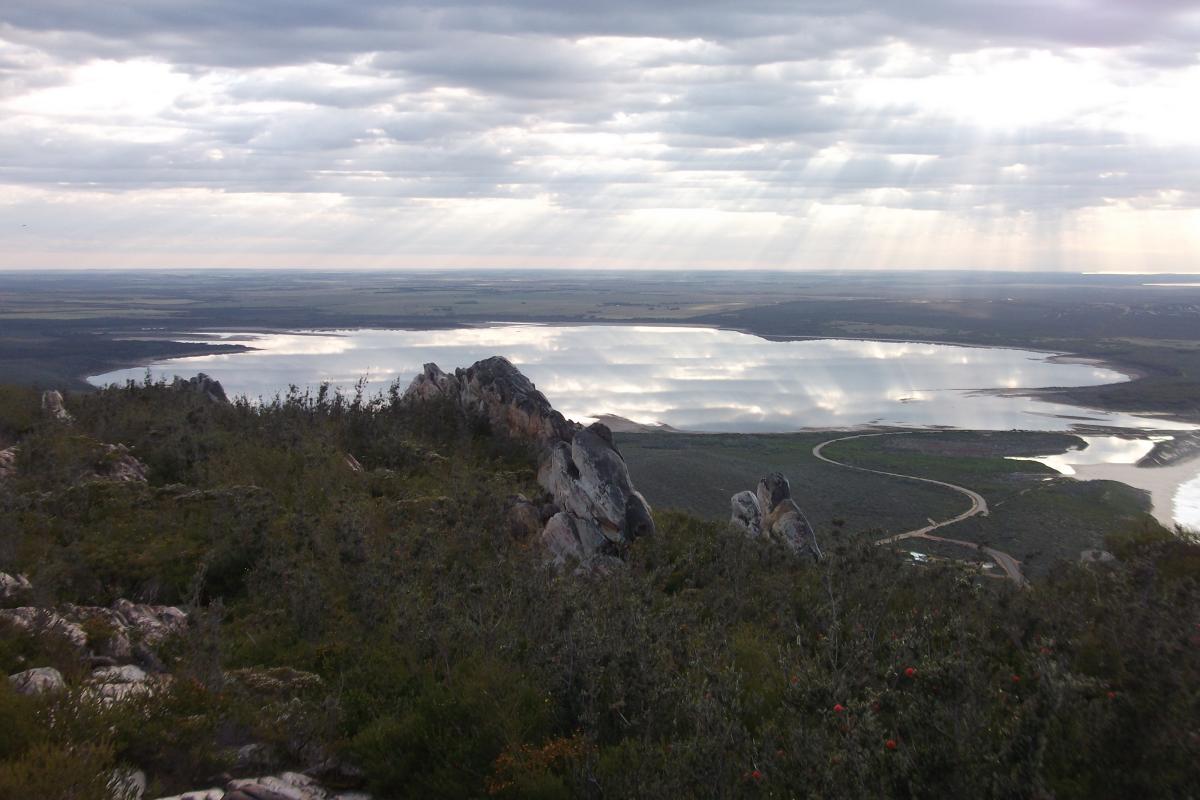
[(451, 661)]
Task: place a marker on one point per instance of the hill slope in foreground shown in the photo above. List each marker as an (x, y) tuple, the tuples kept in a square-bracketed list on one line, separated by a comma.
[(354, 603)]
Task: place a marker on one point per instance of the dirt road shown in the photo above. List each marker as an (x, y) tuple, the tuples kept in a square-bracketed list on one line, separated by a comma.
[(1010, 565)]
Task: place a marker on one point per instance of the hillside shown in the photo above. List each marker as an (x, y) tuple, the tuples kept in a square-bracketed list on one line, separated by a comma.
[(336, 586)]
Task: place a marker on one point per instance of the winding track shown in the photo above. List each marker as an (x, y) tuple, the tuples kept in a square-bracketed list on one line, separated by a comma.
[(1011, 567)]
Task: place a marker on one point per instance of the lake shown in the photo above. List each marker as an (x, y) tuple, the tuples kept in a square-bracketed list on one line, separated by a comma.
[(696, 379)]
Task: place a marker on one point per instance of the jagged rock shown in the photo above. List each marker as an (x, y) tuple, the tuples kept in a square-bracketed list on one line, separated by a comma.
[(603, 478), (45, 622), (37, 681), (115, 684), (128, 784), (285, 786), (13, 585), (52, 405), (207, 387), (151, 623), (1096, 557), (110, 631), (788, 524), (639, 519), (580, 468), (113, 462), (771, 490), (126, 674), (589, 481), (121, 633), (771, 511), (198, 794), (8, 462), (496, 391), (574, 540), (116, 463), (746, 513)]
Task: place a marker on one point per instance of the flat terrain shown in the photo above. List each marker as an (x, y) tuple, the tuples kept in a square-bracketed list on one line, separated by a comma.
[(56, 328), (1036, 517)]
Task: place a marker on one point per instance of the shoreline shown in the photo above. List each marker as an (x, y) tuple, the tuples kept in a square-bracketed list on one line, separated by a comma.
[(1045, 393)]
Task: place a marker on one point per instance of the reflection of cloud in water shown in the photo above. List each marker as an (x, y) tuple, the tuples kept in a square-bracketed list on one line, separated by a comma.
[(691, 378), (1186, 504), (1096, 450), (1174, 490)]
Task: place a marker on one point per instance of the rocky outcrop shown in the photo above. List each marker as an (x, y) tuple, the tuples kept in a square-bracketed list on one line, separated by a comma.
[(203, 385), (599, 512), (127, 784), (37, 681), (746, 513), (495, 390), (126, 631), (110, 462), (44, 622), (52, 405), (116, 463), (110, 685), (8, 462), (593, 512), (286, 786), (770, 511), (12, 586), (152, 624)]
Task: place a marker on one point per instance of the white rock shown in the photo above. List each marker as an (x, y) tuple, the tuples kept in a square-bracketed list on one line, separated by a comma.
[(197, 794), (746, 513), (126, 674), (12, 585), (128, 784), (37, 681), (43, 622), (8, 462), (152, 623), (52, 404)]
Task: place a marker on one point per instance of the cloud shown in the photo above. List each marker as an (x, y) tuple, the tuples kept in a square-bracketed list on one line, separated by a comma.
[(578, 122)]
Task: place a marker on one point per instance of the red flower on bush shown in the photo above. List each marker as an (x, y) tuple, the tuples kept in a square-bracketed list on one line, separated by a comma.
[(910, 672), (838, 708), (890, 744), (1015, 678), (1112, 695)]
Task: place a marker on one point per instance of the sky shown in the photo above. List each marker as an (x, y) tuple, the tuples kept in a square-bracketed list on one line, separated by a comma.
[(758, 134)]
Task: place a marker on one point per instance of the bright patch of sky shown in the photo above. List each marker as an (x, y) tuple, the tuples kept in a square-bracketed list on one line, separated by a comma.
[(761, 134)]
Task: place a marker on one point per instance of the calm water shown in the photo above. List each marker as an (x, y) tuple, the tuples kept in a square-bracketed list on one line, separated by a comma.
[(1174, 490), (692, 378), (696, 379)]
